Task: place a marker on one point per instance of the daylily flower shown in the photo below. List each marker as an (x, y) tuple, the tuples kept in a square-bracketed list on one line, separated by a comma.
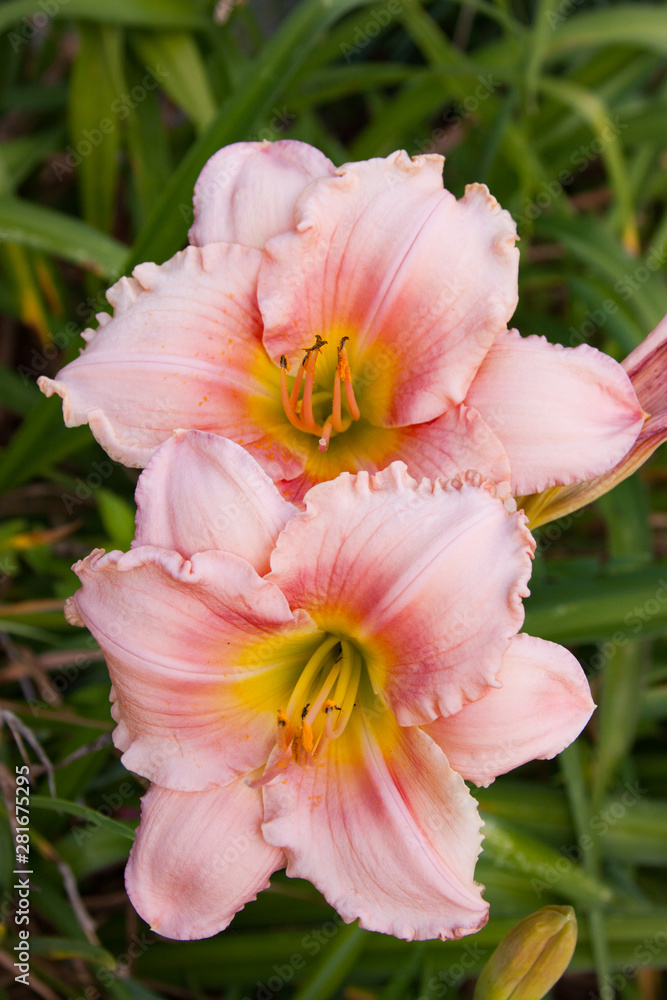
[(335, 320), (647, 369), (311, 689)]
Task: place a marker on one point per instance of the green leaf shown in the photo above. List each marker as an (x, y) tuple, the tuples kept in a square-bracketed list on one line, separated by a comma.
[(40, 441), (117, 517), (98, 819), (262, 83), (17, 394), (177, 62), (137, 13), (18, 157), (619, 607), (95, 107), (337, 959), (593, 110), (644, 25), (509, 848), (59, 949), (62, 235)]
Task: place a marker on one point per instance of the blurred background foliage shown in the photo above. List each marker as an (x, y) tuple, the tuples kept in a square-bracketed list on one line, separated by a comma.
[(109, 109)]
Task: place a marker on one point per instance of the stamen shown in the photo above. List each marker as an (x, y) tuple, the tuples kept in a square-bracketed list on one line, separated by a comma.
[(309, 673), (271, 773), (348, 685), (336, 417), (307, 401), (343, 369), (285, 398), (296, 388), (322, 697), (307, 738), (284, 737)]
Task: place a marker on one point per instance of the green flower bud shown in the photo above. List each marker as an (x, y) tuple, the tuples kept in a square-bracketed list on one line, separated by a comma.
[(531, 958)]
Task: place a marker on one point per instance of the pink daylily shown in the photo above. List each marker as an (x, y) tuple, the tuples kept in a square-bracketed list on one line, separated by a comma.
[(334, 320), (646, 367), (311, 688)]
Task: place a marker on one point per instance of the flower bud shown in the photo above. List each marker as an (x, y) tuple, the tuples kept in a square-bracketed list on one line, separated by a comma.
[(531, 958)]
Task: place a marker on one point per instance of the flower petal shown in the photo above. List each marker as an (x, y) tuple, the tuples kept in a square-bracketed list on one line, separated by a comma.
[(246, 192), (420, 282), (182, 350), (426, 579), (200, 492), (455, 442), (385, 829), (195, 651), (541, 708), (563, 414), (199, 857), (646, 367)]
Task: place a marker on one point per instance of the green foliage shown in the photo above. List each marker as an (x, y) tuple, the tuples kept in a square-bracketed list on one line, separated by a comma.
[(110, 110)]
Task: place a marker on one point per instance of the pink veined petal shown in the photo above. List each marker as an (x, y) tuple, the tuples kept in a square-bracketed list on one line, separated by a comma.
[(541, 708), (563, 414), (195, 705), (199, 857), (182, 350), (646, 367), (420, 282), (426, 579), (200, 491), (455, 442), (246, 192), (385, 829)]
